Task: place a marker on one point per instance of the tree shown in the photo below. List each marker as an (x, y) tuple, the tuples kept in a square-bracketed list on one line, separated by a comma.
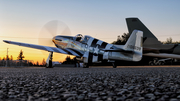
[(121, 40), (7, 57), (169, 41), (69, 60), (37, 64), (20, 57), (11, 57), (4, 58), (44, 62)]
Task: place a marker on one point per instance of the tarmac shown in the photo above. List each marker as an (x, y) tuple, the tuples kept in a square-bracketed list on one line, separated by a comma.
[(97, 83)]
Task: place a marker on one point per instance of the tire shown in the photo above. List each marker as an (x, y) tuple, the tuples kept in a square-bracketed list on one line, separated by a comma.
[(151, 63), (85, 65)]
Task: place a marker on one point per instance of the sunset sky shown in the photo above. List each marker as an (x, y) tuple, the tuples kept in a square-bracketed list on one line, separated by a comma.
[(22, 20)]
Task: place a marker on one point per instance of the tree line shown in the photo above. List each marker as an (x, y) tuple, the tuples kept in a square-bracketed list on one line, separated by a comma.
[(121, 40), (21, 57)]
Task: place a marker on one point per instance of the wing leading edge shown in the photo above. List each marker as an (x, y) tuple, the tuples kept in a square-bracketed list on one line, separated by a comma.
[(68, 51)]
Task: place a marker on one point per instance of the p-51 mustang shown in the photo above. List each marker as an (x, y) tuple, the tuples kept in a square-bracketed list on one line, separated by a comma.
[(91, 50)]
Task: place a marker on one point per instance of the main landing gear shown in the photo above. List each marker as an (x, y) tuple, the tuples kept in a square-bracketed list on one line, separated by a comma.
[(85, 65), (49, 60)]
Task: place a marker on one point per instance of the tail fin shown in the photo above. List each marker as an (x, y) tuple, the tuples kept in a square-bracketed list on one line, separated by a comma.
[(134, 42), (148, 38)]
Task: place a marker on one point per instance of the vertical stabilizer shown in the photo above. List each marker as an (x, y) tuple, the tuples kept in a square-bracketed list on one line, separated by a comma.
[(134, 44), (148, 38)]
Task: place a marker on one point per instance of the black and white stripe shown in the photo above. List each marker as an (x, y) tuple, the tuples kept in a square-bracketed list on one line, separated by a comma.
[(93, 43)]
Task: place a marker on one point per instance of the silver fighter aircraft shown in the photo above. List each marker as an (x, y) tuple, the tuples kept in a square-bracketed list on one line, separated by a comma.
[(91, 50)]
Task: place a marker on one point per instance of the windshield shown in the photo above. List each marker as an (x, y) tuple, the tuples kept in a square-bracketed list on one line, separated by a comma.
[(85, 39)]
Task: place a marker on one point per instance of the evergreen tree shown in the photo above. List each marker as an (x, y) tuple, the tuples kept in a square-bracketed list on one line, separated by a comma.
[(121, 40), (169, 41), (7, 57), (44, 62), (69, 60), (37, 64), (21, 56), (4, 58), (11, 57)]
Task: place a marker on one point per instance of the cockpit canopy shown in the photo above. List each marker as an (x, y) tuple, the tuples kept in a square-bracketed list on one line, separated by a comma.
[(81, 38), (78, 37)]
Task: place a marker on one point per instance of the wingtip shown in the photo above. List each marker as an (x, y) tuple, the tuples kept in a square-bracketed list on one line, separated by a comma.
[(6, 41)]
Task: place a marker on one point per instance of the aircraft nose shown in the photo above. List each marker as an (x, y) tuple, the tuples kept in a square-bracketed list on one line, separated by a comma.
[(53, 39)]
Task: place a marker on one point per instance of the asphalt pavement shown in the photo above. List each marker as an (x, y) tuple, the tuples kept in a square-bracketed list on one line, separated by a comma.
[(99, 83)]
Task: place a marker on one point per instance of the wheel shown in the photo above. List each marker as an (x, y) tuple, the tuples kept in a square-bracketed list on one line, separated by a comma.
[(85, 65), (151, 63), (114, 65), (162, 63)]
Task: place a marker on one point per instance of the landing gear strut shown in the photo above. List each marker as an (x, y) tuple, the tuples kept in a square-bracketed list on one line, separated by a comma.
[(49, 60), (114, 65)]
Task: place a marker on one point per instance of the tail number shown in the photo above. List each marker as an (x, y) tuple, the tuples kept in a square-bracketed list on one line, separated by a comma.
[(134, 47)]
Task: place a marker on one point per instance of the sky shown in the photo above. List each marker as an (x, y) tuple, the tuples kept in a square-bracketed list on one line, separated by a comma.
[(23, 20)]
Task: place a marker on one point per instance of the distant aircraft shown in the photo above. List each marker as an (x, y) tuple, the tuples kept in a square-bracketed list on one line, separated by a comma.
[(92, 50), (151, 46)]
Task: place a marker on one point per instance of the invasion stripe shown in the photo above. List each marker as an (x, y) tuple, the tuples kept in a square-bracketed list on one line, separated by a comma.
[(90, 41), (100, 57), (108, 46), (95, 58), (55, 50), (99, 42), (90, 58), (48, 48), (79, 53), (59, 50), (67, 51), (103, 45), (74, 53), (94, 43)]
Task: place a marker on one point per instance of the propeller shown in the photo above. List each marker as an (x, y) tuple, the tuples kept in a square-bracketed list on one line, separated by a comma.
[(50, 30)]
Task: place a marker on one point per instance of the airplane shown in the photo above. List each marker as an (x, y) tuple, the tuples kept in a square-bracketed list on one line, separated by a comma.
[(151, 46), (91, 50)]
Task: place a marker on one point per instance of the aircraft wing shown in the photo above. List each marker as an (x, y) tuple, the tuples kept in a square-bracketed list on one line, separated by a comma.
[(68, 51)]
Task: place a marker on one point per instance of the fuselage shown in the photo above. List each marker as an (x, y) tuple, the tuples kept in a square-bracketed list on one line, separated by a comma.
[(94, 48), (81, 45)]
